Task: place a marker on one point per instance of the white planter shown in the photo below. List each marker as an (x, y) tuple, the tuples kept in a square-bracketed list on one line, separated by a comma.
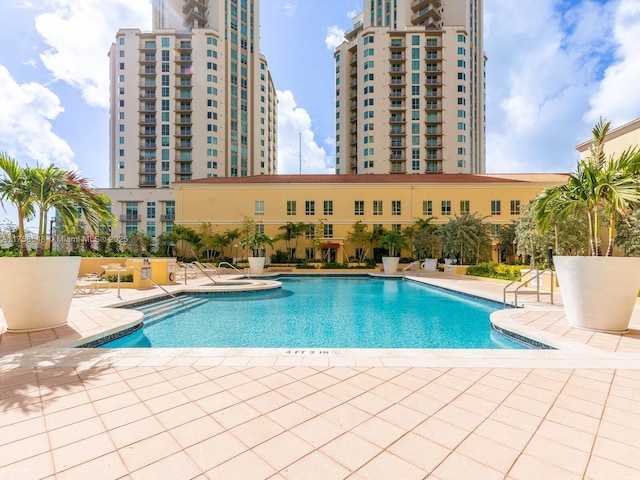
[(599, 293), (430, 264), (256, 264), (36, 292), (390, 264)]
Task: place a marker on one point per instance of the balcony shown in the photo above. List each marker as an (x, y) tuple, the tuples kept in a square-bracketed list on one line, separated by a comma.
[(184, 58), (131, 217), (147, 59), (148, 120), (147, 169), (397, 69), (397, 43), (184, 120), (148, 132), (148, 146), (148, 71), (184, 107), (397, 95), (397, 119), (398, 131), (398, 56), (184, 145), (147, 45), (148, 96), (427, 14), (168, 217), (398, 81), (397, 106), (398, 157)]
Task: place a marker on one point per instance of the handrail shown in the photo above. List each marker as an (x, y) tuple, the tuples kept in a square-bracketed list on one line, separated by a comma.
[(154, 282), (204, 272), (232, 267), (411, 265), (535, 276)]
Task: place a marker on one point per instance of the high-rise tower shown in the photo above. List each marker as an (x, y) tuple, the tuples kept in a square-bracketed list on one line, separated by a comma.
[(410, 89), (193, 98)]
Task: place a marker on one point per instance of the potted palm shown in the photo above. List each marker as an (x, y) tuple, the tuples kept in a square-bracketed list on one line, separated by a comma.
[(599, 291), (256, 241), (394, 241), (34, 192)]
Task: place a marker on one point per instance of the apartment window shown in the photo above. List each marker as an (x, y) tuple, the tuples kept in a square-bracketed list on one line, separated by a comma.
[(358, 207), (291, 207), (310, 207), (495, 207), (415, 165), (377, 207), (151, 228), (259, 208), (328, 207), (151, 209), (515, 207), (328, 230), (446, 207), (396, 207), (427, 207), (464, 207)]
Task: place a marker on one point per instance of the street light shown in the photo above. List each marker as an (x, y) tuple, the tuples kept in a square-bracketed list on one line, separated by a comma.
[(52, 222)]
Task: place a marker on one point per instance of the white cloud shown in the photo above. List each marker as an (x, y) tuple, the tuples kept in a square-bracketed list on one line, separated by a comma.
[(296, 143), (618, 96), (335, 37), (80, 33), (352, 14), (25, 123), (542, 68), (290, 9)]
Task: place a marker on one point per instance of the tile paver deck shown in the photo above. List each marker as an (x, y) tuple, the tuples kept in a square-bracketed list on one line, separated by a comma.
[(256, 413)]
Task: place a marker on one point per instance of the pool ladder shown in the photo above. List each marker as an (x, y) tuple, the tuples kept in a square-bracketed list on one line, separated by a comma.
[(536, 275)]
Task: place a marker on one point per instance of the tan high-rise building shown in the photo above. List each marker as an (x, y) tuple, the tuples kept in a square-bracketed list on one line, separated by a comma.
[(193, 98), (410, 89)]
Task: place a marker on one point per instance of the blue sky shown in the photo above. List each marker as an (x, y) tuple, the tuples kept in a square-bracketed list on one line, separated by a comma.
[(554, 67)]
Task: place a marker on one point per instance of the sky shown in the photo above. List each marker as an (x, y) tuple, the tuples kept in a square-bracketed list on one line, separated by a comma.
[(554, 67)]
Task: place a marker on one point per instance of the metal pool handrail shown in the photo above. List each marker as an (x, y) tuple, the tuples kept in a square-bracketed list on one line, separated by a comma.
[(537, 292), (227, 264), (155, 283)]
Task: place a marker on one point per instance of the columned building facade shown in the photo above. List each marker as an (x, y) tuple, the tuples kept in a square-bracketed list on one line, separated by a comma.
[(410, 89)]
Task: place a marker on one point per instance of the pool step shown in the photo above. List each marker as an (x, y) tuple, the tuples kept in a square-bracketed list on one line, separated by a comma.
[(164, 308)]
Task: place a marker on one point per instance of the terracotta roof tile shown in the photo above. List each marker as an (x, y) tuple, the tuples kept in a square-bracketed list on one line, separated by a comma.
[(386, 178)]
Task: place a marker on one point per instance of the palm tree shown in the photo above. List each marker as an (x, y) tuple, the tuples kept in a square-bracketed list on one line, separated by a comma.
[(71, 196), (291, 231), (465, 237), (42, 189), (15, 188), (603, 188), (394, 241)]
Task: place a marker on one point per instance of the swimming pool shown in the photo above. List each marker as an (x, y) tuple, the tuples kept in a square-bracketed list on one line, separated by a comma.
[(322, 313)]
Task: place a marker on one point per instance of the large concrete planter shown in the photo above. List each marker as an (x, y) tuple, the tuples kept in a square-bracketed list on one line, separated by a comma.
[(390, 264), (599, 293), (256, 265), (36, 292)]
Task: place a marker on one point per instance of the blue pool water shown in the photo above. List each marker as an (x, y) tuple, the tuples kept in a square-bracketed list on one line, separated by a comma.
[(322, 313)]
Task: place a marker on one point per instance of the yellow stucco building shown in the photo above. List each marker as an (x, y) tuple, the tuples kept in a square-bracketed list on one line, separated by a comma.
[(336, 202)]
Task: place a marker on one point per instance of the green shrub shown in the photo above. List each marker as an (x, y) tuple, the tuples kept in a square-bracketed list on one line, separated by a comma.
[(495, 270), (124, 278)]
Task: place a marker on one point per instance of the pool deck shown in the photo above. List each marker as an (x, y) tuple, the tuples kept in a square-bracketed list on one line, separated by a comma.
[(573, 412)]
